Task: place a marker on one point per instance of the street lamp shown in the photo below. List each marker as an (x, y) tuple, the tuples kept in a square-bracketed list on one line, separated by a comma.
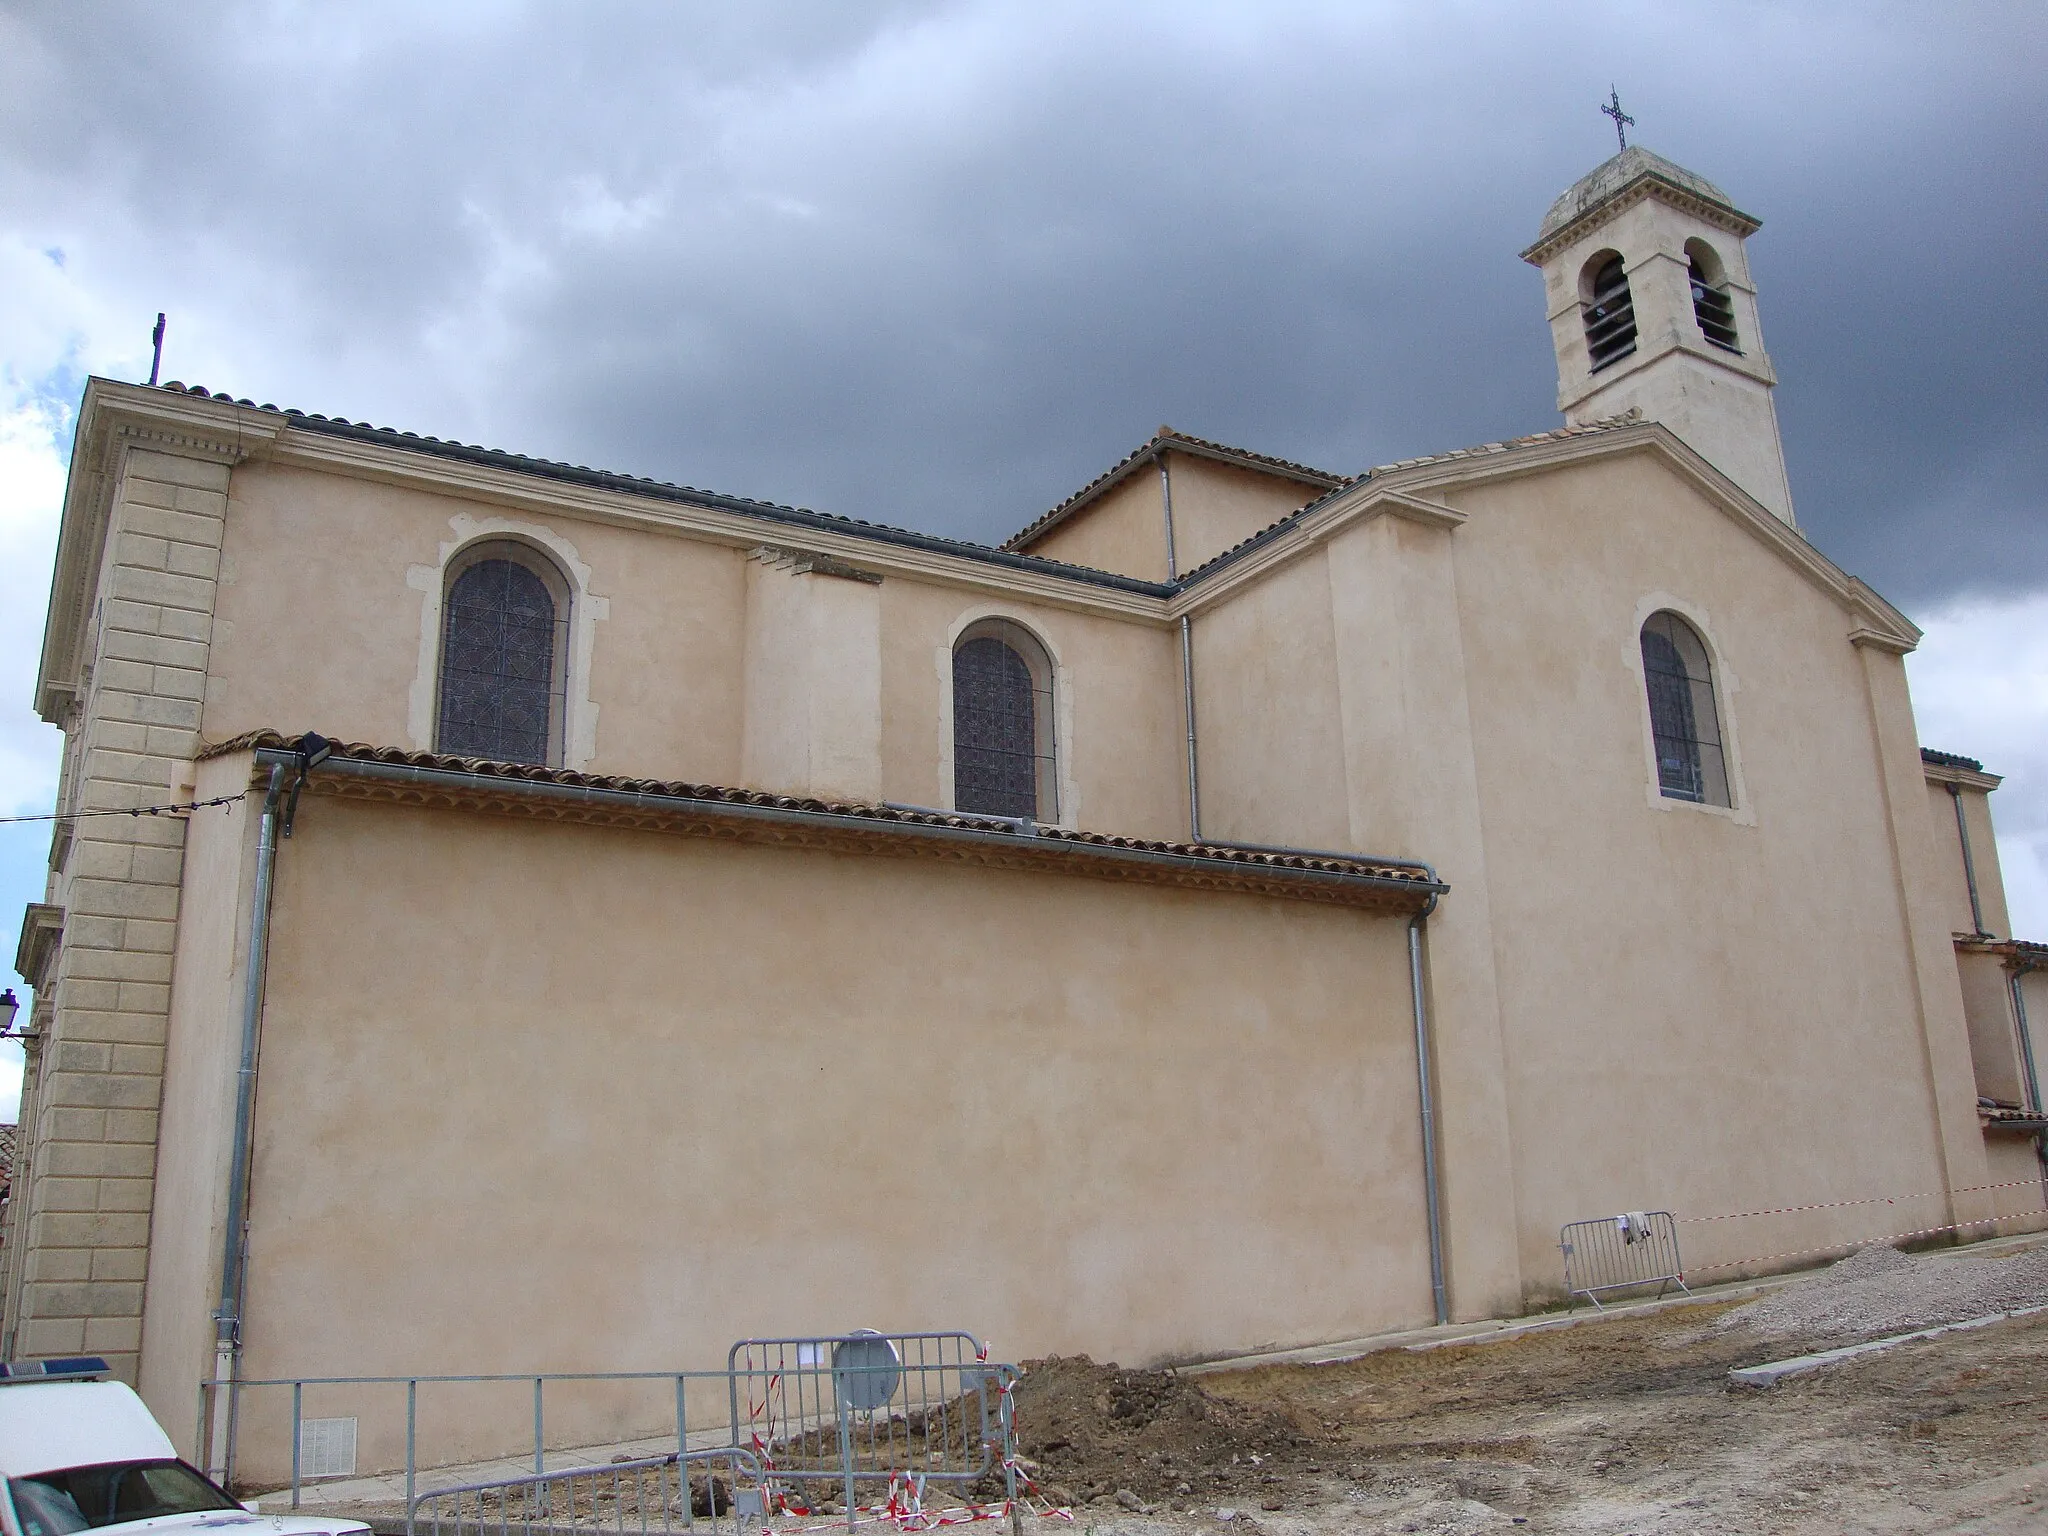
[(10, 1005)]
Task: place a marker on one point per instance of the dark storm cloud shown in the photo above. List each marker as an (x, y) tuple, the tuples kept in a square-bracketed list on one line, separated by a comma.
[(939, 265)]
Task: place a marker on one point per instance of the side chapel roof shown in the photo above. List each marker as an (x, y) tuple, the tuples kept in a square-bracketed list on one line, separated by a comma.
[(1360, 880)]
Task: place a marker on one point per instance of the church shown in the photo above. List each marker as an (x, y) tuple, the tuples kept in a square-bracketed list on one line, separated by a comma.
[(1253, 905)]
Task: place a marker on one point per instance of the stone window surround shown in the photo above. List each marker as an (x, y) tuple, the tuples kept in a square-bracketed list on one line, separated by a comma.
[(1067, 793), (586, 610), (1742, 813)]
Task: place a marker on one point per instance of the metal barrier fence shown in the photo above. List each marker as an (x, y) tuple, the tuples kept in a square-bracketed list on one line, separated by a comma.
[(905, 1408), (1615, 1253), (647, 1497), (900, 1410)]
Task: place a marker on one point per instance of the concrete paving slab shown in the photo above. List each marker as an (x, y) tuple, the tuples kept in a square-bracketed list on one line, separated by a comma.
[(1772, 1372)]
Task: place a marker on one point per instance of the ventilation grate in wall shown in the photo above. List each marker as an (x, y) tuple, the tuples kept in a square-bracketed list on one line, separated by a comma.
[(327, 1448)]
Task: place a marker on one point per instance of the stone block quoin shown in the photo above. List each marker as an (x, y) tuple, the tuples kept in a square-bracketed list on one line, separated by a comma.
[(78, 1251)]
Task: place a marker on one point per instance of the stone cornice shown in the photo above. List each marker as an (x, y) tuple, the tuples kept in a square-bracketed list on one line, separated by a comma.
[(111, 419), (1943, 773), (1645, 187), (1753, 364), (42, 929)]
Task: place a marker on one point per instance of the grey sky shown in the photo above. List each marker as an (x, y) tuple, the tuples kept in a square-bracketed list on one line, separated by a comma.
[(940, 264)]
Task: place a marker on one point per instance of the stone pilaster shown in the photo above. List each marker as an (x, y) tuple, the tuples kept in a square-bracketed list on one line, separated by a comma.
[(141, 681)]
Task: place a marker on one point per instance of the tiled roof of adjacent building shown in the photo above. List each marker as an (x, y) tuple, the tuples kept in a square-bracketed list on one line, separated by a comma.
[(1263, 870), (7, 1134), (1950, 760), (1164, 440)]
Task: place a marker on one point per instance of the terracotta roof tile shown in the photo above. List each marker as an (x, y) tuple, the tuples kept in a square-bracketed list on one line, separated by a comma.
[(1363, 867), (1165, 438), (606, 479), (1950, 760), (1007, 554)]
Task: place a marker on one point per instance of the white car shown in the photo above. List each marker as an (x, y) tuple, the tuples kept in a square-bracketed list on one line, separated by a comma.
[(79, 1451)]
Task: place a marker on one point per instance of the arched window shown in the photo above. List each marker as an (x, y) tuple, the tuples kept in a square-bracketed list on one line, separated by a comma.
[(504, 643), (1683, 720), (1610, 313), (1003, 757), (1711, 306)]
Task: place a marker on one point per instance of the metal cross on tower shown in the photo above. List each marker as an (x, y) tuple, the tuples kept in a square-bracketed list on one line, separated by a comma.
[(1622, 121)]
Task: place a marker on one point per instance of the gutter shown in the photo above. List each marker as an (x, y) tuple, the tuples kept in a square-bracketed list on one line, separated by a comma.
[(2014, 983), (1955, 794), (1020, 835), (227, 1317), (1187, 654), (1432, 1191)]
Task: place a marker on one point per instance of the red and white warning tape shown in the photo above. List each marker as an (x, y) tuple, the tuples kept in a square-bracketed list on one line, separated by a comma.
[(904, 1508), (1892, 1237), (1831, 1205)]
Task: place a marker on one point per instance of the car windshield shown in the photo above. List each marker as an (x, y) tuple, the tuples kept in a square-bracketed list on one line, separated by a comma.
[(80, 1498)]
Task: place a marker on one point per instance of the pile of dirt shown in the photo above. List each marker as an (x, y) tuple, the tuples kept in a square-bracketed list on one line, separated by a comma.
[(1878, 1290), (1090, 1433)]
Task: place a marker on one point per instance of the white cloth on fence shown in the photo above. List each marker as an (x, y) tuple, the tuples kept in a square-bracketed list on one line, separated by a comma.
[(1634, 1226)]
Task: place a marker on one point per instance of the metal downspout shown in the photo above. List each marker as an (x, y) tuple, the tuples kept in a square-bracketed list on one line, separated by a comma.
[(1955, 794), (227, 1317), (1166, 506), (1187, 655), (1187, 683), (1430, 1191), (2020, 971)]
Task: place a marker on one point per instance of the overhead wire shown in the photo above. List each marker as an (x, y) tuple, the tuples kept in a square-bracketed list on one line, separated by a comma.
[(177, 808)]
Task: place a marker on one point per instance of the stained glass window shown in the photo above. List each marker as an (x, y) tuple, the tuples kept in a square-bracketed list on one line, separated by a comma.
[(500, 638), (1002, 724), (1683, 720)]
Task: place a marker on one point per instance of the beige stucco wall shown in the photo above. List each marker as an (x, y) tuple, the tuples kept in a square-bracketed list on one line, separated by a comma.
[(550, 1097), (2020, 1187), (1117, 704), (1994, 1039), (578, 1072), (1953, 889), (1705, 1011), (1266, 703), (200, 1076), (707, 665), (1640, 1002), (1217, 506), (1122, 530), (319, 620), (813, 718)]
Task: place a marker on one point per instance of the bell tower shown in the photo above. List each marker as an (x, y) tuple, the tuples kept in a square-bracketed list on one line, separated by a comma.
[(1647, 283)]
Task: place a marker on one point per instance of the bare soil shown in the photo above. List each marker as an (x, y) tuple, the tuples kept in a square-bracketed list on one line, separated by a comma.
[(1624, 1425)]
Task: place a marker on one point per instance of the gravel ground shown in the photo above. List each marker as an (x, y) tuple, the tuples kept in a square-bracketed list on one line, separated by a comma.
[(1879, 1290)]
